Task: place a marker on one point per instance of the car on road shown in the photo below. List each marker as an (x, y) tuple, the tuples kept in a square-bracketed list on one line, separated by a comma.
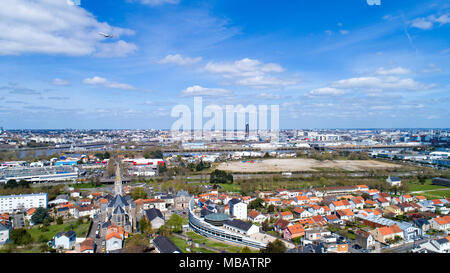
[(356, 246)]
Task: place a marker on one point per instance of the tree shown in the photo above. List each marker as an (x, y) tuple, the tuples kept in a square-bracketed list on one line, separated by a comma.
[(20, 236), (175, 223), (150, 153), (11, 184), (162, 168), (245, 249), (39, 216), (220, 177), (256, 204), (266, 225), (145, 227), (164, 230), (137, 243), (59, 220), (23, 183), (138, 193), (276, 246), (271, 208)]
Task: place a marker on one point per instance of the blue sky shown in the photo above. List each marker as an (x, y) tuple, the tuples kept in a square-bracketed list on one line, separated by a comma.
[(328, 64)]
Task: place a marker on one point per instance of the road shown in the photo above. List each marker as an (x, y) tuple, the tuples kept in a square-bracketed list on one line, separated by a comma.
[(98, 241)]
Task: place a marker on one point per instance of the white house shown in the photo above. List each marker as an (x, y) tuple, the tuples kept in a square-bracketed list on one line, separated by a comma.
[(155, 217), (65, 240), (256, 217), (440, 223), (394, 181), (114, 241)]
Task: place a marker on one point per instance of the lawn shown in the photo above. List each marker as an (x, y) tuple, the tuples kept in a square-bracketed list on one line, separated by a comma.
[(437, 194), (180, 243), (214, 244), (43, 236), (416, 186), (230, 187)]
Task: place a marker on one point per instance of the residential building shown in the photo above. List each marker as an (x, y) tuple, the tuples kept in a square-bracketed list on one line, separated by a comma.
[(440, 223), (22, 202), (155, 217), (382, 234), (65, 240), (238, 209), (364, 239), (165, 245)]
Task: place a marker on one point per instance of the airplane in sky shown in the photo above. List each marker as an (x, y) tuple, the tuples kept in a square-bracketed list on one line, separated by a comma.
[(106, 35)]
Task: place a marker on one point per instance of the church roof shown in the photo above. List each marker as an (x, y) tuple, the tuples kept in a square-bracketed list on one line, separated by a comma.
[(118, 210), (182, 193), (118, 201)]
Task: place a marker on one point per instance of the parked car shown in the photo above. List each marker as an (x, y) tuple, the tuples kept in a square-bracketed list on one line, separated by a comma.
[(357, 247)]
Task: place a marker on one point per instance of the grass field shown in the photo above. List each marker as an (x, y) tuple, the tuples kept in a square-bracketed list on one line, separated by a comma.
[(416, 186), (218, 245), (437, 194), (180, 243), (40, 236)]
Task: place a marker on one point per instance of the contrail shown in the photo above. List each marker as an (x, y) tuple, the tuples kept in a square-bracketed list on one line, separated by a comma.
[(406, 32)]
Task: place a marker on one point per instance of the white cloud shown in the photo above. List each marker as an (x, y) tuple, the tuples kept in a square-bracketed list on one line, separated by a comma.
[(155, 2), (428, 22), (102, 81), (344, 32), (118, 49), (381, 83), (394, 71), (54, 27), (422, 23), (249, 72), (327, 91), (179, 60), (197, 90), (57, 81)]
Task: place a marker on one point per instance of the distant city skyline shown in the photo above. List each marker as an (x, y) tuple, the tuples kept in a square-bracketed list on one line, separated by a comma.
[(327, 64)]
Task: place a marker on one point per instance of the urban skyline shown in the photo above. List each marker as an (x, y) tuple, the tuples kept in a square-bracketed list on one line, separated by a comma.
[(327, 64)]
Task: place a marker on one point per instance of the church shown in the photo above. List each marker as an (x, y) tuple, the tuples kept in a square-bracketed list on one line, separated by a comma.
[(119, 211)]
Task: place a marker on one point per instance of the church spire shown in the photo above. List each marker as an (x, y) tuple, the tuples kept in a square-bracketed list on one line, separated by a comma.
[(118, 182)]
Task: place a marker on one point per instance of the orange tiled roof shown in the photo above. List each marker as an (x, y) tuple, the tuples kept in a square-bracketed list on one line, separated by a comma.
[(346, 212), (389, 230), (296, 229), (31, 211), (113, 234), (285, 213), (253, 213), (87, 244), (298, 210), (442, 220)]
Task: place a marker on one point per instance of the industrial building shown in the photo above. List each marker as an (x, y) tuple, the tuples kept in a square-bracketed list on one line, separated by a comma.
[(39, 174)]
